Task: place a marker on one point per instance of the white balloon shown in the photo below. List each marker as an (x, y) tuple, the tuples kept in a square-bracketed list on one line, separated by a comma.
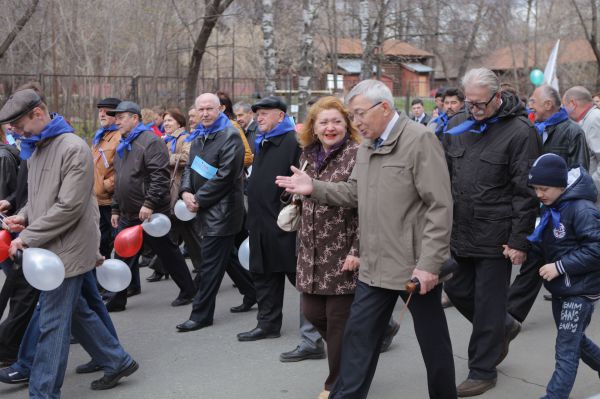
[(114, 275), (244, 253), (157, 225), (182, 213), (43, 269)]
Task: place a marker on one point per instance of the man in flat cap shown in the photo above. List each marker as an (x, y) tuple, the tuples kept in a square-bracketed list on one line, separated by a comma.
[(142, 187), (272, 250), (61, 215), (104, 146)]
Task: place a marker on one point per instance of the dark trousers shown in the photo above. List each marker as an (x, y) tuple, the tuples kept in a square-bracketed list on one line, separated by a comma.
[(171, 259), (524, 289), (369, 317), (269, 295), (22, 298), (216, 253), (329, 314), (478, 290), (107, 232), (189, 233)]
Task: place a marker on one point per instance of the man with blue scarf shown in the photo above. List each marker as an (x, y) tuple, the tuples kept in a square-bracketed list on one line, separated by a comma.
[(61, 215), (104, 145), (212, 185), (142, 187), (565, 138)]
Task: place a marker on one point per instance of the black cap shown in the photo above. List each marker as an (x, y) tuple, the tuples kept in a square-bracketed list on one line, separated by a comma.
[(109, 102), (126, 106), (270, 102), (19, 104), (549, 170)]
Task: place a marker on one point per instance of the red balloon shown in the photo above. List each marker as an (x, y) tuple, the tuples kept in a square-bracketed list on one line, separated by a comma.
[(5, 237), (129, 241), (3, 251)]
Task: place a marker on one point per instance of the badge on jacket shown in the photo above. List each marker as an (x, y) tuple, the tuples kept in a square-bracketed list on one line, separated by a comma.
[(203, 168)]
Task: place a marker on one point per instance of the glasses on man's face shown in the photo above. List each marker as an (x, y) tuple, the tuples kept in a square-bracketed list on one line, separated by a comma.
[(361, 114), (481, 105)]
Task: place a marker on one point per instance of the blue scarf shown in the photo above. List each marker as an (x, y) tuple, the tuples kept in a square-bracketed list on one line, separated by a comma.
[(551, 213), (221, 123), (286, 125), (173, 141), (473, 126), (57, 126), (125, 143), (441, 123), (555, 119), (102, 131)]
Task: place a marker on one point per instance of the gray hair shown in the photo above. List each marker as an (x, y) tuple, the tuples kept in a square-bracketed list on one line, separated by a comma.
[(578, 93), (213, 97), (481, 77), (244, 107), (550, 93), (374, 90)]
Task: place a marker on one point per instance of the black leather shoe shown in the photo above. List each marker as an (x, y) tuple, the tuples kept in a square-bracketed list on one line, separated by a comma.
[(244, 307), (156, 276), (390, 333), (110, 381), (547, 297), (191, 325), (89, 367), (114, 308), (133, 291), (181, 301), (301, 353), (256, 334)]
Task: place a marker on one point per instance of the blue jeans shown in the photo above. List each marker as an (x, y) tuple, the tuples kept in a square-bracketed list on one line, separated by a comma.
[(89, 291), (572, 315)]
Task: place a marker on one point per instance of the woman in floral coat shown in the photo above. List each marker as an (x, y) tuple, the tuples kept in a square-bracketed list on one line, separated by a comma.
[(328, 237)]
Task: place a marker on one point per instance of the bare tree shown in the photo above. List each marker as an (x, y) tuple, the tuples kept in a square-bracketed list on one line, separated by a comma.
[(18, 27), (270, 53), (591, 33), (462, 68), (213, 10), (306, 57)]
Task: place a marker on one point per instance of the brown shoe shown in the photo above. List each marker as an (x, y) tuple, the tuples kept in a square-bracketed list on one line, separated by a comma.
[(471, 387)]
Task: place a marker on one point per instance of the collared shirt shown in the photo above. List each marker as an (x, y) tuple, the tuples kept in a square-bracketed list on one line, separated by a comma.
[(420, 119), (389, 127)]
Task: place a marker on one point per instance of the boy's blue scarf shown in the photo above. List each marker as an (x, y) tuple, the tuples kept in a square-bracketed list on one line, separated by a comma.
[(173, 141), (473, 126), (221, 123), (551, 213), (125, 143), (102, 131), (57, 126), (286, 125), (555, 119)]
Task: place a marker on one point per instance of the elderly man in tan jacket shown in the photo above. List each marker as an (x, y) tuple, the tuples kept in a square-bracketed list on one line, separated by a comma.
[(401, 186), (61, 215)]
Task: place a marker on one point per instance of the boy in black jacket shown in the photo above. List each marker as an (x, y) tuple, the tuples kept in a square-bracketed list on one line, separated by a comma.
[(567, 243)]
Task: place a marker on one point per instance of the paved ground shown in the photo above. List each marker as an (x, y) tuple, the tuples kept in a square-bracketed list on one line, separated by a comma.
[(212, 364)]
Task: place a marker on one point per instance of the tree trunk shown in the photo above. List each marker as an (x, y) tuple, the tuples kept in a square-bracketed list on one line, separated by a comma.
[(270, 54), (18, 26), (366, 39), (471, 44), (306, 57), (212, 12)]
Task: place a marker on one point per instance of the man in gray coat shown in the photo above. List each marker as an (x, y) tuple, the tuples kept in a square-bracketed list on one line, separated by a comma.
[(401, 187), (61, 215)]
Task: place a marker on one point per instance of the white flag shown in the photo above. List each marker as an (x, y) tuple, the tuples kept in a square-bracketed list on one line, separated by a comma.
[(550, 70)]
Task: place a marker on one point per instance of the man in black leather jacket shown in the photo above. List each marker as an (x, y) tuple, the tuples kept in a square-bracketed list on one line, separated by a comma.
[(212, 186)]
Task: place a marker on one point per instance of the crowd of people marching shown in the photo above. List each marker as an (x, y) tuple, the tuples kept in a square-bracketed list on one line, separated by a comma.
[(383, 199)]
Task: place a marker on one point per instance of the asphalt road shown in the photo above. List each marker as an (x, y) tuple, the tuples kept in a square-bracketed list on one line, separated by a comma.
[(212, 364)]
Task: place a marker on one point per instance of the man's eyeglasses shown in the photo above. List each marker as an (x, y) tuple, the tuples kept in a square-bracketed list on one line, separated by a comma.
[(480, 106), (361, 114)]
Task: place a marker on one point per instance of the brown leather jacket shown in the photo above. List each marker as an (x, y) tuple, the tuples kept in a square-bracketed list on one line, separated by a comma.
[(104, 172)]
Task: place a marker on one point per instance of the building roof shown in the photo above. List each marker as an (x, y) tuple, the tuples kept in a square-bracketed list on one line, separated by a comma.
[(395, 48), (417, 67), (352, 65)]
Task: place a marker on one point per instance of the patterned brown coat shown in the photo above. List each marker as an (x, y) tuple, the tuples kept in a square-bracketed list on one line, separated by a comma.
[(327, 233)]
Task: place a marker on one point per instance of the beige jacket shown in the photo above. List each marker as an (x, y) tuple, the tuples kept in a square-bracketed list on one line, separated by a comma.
[(402, 191), (61, 211)]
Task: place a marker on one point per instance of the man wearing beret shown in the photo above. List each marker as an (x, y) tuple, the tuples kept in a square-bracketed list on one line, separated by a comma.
[(142, 188), (104, 146), (272, 250), (61, 215)]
